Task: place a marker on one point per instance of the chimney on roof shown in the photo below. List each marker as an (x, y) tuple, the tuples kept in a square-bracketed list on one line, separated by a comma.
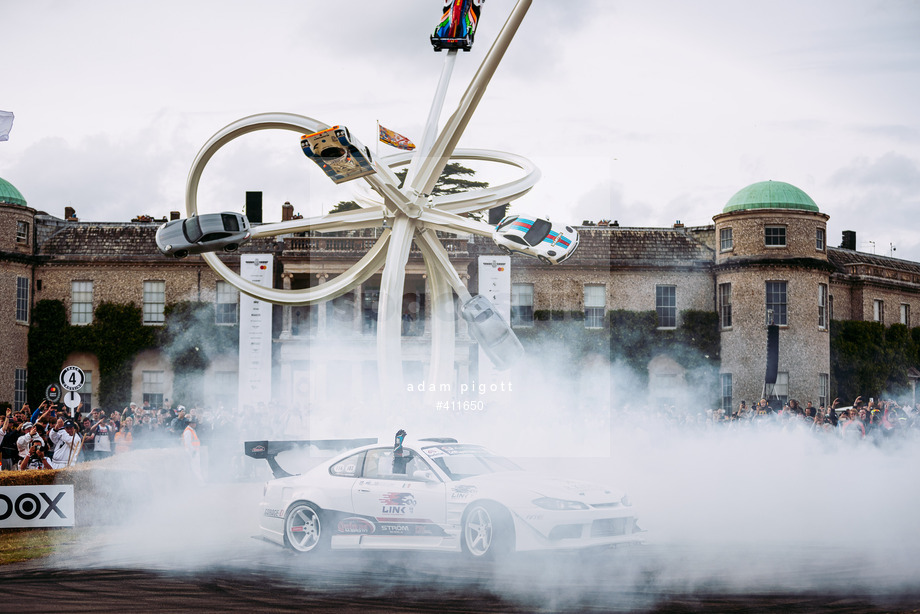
[(497, 214), (254, 207), (70, 214), (174, 215), (287, 211), (849, 240), (678, 224)]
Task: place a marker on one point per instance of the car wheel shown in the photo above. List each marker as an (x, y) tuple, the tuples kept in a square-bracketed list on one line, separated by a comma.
[(544, 260), (231, 248), (487, 531), (505, 250), (182, 253), (303, 528)]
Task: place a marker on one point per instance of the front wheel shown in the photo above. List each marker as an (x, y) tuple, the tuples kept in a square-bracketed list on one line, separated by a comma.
[(487, 531), (303, 528), (231, 248)]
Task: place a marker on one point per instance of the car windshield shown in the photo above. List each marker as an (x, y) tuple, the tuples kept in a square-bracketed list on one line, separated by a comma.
[(192, 229), (460, 461), (537, 232)]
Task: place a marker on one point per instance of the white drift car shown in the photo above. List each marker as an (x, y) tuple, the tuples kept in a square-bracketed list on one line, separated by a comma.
[(437, 494)]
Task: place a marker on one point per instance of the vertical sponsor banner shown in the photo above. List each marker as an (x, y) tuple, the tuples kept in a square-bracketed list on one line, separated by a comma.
[(255, 375), (495, 285)]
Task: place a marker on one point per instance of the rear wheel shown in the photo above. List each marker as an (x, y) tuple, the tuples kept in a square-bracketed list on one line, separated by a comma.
[(303, 528), (182, 253), (487, 531), (505, 249), (231, 248)]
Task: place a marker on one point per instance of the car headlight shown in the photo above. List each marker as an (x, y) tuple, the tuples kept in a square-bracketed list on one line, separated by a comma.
[(549, 503)]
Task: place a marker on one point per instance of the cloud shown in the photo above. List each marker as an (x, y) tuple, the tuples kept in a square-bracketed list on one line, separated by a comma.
[(893, 171)]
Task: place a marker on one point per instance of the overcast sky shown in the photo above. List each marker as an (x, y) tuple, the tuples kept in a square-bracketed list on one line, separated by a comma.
[(644, 112)]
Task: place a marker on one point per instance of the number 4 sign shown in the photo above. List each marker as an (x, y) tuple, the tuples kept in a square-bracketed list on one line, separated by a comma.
[(72, 378)]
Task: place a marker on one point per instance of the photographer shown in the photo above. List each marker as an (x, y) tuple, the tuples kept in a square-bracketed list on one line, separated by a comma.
[(35, 458)]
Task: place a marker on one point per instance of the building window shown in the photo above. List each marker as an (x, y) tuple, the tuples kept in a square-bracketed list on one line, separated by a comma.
[(225, 310), (775, 236), (781, 387), (823, 389), (820, 242), (22, 299), (725, 305), (522, 304), (226, 386), (830, 307), (595, 305), (81, 302), (725, 240), (154, 302), (776, 303), (152, 388), (86, 392), (666, 306), (822, 306), (905, 314), (878, 311), (19, 390), (727, 392), (22, 232)]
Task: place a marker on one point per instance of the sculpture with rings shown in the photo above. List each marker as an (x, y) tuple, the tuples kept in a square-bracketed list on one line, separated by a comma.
[(409, 213)]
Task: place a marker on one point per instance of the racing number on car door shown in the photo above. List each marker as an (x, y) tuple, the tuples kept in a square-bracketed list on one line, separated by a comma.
[(401, 503)]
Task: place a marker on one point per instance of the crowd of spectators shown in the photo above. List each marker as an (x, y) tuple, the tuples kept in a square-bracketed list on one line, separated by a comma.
[(875, 421), (52, 436)]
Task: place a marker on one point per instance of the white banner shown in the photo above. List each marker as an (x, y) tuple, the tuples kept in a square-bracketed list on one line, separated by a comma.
[(36, 506), (495, 285), (6, 124), (255, 375)]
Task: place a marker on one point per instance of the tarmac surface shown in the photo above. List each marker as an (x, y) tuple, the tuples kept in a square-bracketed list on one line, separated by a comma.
[(263, 578), (189, 547)]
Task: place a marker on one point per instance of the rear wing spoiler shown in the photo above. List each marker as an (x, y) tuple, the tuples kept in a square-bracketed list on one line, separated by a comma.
[(269, 449)]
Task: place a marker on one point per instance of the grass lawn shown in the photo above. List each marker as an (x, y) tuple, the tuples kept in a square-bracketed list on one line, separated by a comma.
[(17, 545)]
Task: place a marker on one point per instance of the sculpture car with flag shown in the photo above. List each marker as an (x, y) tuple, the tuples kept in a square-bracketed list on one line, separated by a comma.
[(341, 156), (435, 494), (537, 237)]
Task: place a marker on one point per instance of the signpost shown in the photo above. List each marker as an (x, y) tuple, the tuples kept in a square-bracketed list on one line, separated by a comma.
[(72, 400), (72, 379)]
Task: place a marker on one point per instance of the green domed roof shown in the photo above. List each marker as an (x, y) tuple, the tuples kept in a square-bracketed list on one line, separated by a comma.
[(9, 194), (770, 195)]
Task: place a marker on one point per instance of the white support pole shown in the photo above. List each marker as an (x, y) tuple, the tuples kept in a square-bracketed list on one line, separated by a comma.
[(434, 114), (433, 164), (389, 310)]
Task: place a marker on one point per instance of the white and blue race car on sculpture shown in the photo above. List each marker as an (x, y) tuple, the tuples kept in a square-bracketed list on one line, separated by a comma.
[(436, 494), (535, 236)]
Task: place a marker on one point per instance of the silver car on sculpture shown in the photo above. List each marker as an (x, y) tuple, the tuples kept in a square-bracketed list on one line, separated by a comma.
[(209, 232)]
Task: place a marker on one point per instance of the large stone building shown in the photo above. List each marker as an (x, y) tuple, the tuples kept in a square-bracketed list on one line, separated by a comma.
[(765, 259)]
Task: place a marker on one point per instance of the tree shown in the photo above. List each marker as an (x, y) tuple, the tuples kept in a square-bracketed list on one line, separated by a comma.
[(453, 180), (345, 205)]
